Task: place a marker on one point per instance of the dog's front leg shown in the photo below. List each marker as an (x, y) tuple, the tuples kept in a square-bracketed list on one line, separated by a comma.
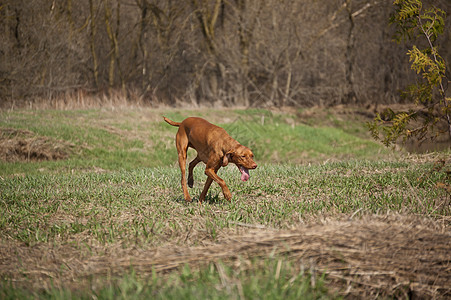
[(211, 173), (205, 190)]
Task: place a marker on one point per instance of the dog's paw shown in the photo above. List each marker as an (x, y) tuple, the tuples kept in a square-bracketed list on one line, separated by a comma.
[(228, 195)]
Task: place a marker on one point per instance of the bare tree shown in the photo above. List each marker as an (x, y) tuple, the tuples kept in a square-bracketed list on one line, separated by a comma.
[(205, 52)]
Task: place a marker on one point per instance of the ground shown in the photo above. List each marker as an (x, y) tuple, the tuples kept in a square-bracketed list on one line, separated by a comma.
[(90, 197)]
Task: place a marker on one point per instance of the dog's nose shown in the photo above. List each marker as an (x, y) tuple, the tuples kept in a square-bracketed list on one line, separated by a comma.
[(254, 166)]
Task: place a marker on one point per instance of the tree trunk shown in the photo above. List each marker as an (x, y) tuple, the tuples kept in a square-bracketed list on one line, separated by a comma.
[(95, 64), (243, 100), (350, 95)]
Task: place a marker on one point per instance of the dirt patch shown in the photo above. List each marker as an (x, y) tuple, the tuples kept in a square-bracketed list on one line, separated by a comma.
[(24, 145), (376, 256)]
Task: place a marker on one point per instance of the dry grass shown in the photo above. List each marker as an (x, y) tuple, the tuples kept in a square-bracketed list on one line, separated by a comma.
[(24, 145), (81, 99), (390, 255)]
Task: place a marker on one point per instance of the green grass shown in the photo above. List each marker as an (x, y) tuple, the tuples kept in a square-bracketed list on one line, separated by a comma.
[(120, 188), (126, 205), (133, 139), (100, 140), (272, 278)]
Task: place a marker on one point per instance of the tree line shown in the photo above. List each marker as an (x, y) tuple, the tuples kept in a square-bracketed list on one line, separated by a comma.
[(206, 52)]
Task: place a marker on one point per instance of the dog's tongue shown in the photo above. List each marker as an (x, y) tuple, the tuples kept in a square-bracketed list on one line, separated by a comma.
[(244, 173)]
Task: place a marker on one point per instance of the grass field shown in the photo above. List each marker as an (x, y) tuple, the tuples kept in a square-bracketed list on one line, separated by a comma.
[(91, 207)]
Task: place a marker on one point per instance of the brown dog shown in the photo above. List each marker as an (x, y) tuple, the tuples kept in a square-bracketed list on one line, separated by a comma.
[(215, 148)]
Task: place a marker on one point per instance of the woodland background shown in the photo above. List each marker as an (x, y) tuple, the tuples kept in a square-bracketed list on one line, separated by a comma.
[(206, 52)]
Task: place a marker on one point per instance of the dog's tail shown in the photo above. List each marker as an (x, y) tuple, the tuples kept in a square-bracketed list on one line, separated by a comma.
[(170, 122)]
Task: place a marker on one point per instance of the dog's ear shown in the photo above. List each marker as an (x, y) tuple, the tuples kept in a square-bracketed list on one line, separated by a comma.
[(226, 158)]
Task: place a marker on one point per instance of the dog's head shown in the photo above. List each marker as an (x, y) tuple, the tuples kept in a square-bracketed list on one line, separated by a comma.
[(243, 158)]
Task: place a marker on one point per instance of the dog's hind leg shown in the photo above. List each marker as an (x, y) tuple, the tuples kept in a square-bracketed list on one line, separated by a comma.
[(182, 147), (191, 166)]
